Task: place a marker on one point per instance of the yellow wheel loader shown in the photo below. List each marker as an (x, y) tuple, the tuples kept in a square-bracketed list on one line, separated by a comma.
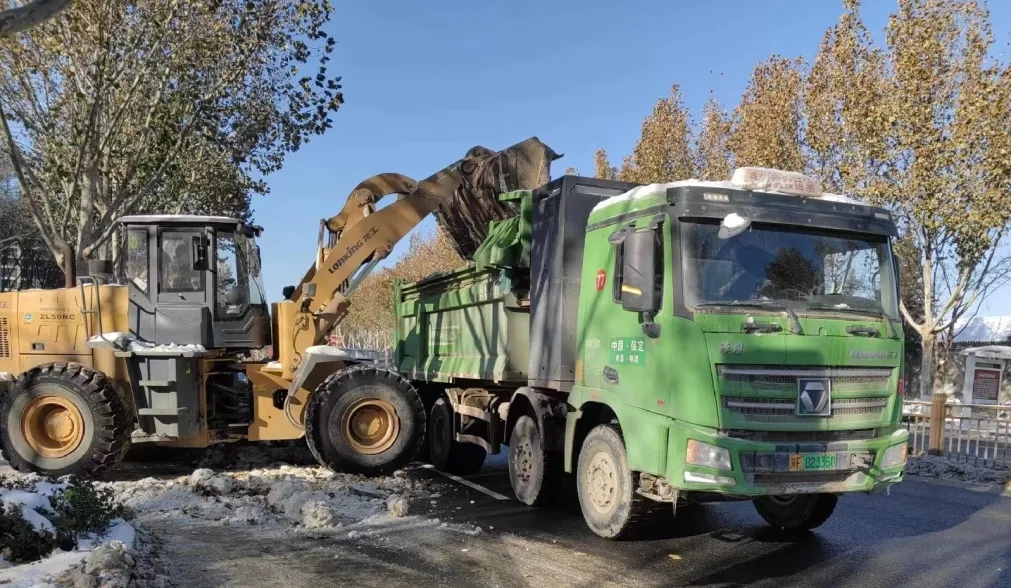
[(159, 351)]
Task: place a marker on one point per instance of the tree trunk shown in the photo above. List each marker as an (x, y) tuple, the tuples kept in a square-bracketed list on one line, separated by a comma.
[(928, 343)]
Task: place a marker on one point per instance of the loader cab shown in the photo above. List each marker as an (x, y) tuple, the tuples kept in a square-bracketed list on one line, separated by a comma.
[(195, 280)]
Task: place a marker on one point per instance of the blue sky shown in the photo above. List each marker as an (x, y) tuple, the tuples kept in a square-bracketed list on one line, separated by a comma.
[(425, 81)]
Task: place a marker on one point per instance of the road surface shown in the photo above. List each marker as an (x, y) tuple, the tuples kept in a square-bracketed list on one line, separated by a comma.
[(925, 534)]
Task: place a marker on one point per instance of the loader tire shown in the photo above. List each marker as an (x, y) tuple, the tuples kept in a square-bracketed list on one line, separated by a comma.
[(366, 420), (447, 454), (64, 419)]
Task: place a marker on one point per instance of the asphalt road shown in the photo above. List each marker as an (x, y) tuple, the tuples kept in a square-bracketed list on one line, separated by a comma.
[(925, 534)]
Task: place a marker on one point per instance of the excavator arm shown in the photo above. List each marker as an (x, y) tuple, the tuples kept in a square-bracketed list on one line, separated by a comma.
[(464, 197)]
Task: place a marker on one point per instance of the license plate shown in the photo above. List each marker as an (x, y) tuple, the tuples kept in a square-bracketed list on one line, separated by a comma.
[(811, 463)]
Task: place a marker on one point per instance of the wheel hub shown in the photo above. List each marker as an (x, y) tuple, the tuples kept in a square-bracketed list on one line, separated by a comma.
[(602, 483), (370, 426), (524, 462), (52, 426)]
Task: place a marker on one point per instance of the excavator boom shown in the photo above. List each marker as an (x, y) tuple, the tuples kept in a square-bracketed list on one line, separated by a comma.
[(464, 198)]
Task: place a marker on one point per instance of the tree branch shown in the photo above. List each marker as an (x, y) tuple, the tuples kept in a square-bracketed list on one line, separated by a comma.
[(25, 17)]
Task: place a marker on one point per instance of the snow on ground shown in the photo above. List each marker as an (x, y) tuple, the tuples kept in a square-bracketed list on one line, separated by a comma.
[(943, 468), (257, 485), (32, 496)]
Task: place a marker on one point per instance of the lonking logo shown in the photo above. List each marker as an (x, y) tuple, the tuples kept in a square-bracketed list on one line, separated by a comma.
[(352, 249)]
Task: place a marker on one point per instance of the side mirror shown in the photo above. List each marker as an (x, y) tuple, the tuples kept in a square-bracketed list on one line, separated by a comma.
[(638, 279), (199, 248)]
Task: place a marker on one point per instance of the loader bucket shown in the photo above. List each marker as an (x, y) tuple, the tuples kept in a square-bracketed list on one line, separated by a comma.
[(486, 174)]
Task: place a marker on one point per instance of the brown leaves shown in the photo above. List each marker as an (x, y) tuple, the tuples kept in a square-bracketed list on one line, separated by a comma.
[(766, 124), (663, 152), (371, 308), (712, 153)]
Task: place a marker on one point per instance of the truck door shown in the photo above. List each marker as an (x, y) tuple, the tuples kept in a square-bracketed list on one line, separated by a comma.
[(631, 330)]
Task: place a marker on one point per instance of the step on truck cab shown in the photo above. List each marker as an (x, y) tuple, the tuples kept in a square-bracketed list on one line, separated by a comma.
[(669, 343)]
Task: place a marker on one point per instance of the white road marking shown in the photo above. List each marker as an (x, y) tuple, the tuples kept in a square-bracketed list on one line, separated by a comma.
[(467, 483)]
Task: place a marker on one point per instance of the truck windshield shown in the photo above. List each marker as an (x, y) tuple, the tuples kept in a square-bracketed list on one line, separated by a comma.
[(806, 270)]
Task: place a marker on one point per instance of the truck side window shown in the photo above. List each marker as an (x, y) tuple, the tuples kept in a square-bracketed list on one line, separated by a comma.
[(176, 259), (658, 267), (136, 258)]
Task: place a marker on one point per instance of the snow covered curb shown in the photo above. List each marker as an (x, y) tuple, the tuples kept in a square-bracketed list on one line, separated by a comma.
[(98, 554), (942, 468)]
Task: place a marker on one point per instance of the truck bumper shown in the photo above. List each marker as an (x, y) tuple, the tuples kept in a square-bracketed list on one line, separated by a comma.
[(782, 468)]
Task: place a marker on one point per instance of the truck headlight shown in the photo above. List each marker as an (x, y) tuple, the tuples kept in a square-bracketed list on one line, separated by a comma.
[(710, 456), (894, 455)]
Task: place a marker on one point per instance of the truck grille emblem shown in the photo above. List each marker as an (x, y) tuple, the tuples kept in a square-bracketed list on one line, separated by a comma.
[(814, 397)]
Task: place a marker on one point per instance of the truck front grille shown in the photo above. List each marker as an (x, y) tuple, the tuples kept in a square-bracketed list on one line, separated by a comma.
[(768, 394)]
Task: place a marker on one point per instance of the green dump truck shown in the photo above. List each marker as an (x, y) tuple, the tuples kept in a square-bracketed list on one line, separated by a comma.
[(669, 343)]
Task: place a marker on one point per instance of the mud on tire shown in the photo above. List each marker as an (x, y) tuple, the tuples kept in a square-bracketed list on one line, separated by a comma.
[(105, 415), (365, 420), (605, 484)]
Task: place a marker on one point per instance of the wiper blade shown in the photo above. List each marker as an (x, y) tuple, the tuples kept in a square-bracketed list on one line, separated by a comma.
[(795, 326), (881, 314)]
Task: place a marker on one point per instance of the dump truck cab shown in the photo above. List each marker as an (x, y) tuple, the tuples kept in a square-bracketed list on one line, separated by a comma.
[(195, 280), (749, 333)]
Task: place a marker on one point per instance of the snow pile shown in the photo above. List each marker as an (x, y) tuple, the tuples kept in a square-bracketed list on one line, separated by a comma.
[(945, 469), (288, 496), (33, 498), (119, 340)]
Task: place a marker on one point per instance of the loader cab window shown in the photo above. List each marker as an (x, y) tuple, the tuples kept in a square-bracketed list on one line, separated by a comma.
[(231, 291), (178, 271), (137, 261)]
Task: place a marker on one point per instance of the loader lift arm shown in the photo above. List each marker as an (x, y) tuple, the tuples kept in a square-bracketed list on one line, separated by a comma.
[(355, 240)]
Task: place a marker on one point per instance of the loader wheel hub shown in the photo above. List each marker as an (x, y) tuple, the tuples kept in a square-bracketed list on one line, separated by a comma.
[(370, 426), (52, 426)]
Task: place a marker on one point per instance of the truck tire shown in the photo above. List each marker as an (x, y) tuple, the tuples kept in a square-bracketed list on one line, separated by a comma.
[(800, 512), (447, 454), (534, 474), (611, 506), (64, 419), (366, 420)]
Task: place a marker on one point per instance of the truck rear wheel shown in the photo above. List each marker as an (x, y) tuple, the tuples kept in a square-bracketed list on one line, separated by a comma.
[(446, 453), (64, 419), (611, 506), (800, 512), (534, 473), (365, 420)]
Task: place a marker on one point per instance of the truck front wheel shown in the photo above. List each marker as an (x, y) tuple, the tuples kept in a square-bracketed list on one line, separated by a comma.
[(800, 512), (611, 506), (365, 420)]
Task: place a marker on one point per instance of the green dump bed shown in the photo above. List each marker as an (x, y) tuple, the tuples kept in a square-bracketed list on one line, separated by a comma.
[(509, 317), (471, 324)]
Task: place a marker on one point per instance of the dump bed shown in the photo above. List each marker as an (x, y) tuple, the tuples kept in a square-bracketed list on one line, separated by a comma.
[(510, 315), (471, 324)]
